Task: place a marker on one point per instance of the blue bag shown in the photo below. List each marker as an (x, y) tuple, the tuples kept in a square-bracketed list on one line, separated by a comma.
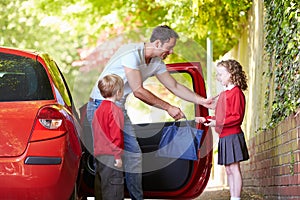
[(180, 142)]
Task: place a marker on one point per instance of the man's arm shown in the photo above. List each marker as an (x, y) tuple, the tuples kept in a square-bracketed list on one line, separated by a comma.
[(181, 91), (135, 82)]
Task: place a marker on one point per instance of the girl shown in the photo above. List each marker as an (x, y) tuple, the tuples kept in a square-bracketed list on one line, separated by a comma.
[(229, 114)]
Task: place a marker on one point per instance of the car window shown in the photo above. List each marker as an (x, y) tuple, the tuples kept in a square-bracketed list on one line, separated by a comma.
[(140, 112), (23, 79)]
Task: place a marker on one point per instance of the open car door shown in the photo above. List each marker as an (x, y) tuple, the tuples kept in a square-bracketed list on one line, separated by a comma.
[(166, 177)]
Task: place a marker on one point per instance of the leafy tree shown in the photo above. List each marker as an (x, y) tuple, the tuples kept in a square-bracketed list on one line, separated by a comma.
[(24, 26), (221, 20), (67, 25), (64, 28)]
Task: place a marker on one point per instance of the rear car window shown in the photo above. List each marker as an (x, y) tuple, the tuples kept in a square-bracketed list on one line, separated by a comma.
[(23, 79)]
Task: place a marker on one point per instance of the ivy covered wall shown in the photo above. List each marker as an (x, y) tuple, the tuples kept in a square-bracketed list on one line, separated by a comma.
[(282, 47), (269, 50)]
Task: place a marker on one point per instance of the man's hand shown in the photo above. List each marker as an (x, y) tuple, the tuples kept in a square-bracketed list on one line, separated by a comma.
[(210, 102), (175, 112)]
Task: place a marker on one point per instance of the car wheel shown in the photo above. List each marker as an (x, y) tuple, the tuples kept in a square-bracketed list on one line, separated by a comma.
[(87, 176), (89, 170)]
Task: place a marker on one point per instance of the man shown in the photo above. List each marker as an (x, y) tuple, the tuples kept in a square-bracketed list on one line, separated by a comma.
[(135, 63)]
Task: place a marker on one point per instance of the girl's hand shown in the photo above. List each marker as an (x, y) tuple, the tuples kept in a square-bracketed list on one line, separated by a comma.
[(200, 120), (210, 122), (205, 121), (118, 163)]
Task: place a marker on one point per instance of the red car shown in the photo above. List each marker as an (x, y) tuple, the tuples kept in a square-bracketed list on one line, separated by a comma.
[(40, 149), (163, 178)]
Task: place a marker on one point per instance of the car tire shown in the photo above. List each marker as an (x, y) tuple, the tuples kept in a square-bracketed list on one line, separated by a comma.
[(89, 169)]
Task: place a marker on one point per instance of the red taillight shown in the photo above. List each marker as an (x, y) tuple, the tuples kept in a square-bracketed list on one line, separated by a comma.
[(50, 118), (50, 123)]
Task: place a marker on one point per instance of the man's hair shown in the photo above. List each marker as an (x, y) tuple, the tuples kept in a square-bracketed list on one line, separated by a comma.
[(110, 84), (163, 33)]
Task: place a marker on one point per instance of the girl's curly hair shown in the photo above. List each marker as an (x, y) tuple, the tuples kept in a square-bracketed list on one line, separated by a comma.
[(238, 76)]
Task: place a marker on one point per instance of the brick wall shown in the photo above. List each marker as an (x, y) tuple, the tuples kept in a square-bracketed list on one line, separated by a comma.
[(274, 166)]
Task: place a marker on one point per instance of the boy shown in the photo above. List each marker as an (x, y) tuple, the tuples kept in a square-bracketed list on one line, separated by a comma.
[(107, 124)]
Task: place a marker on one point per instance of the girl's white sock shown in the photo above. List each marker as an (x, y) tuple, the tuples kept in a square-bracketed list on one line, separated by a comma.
[(235, 198)]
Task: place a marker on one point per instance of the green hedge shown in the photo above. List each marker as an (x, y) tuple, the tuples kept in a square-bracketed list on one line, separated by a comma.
[(282, 46)]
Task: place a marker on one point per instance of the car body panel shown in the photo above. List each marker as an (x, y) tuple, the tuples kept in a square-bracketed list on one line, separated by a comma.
[(14, 138), (36, 161), (36, 181)]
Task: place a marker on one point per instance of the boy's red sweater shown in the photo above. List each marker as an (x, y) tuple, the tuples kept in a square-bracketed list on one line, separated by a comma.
[(108, 124)]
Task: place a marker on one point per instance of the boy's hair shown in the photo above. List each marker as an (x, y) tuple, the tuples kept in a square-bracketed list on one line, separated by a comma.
[(110, 84), (163, 33), (238, 76)]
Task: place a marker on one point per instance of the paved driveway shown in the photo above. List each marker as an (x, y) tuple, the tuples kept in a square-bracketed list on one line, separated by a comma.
[(223, 194)]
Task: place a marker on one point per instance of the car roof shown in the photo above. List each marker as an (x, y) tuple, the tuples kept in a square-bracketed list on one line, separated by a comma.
[(22, 52)]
